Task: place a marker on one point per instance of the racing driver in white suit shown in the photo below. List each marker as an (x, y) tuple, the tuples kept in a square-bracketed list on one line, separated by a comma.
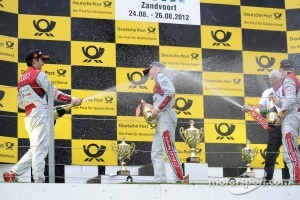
[(164, 136), (289, 118), (32, 97)]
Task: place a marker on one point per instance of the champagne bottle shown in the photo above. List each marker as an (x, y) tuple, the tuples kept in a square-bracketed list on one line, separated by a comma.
[(272, 113), (262, 111), (60, 110)]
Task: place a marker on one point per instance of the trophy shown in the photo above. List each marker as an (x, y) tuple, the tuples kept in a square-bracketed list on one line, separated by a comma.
[(123, 152), (248, 155), (146, 110), (192, 136)]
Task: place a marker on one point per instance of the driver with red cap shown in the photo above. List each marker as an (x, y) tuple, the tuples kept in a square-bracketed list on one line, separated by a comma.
[(164, 136), (32, 97)]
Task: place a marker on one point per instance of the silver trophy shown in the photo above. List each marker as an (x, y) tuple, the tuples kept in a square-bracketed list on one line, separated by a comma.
[(192, 137), (123, 152)]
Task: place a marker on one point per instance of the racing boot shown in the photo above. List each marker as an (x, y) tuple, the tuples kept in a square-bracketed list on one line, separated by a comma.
[(10, 176)]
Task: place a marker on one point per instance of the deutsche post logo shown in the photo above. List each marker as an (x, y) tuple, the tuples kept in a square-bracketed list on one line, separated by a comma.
[(229, 129), (91, 156), (107, 4), (151, 30), (2, 93), (265, 63), (49, 27), (1, 4), (9, 44), (263, 155), (61, 72), (98, 52), (187, 104), (221, 37), (198, 151), (9, 145), (195, 56), (109, 99), (236, 81), (137, 79), (277, 15)]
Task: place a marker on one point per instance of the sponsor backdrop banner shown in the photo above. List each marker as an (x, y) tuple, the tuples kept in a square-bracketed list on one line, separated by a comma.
[(219, 54)]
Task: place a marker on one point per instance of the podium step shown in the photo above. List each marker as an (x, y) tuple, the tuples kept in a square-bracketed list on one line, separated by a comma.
[(146, 170), (198, 171), (108, 179)]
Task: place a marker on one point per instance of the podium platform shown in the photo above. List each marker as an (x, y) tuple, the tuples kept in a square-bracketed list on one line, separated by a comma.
[(110, 179), (198, 173)]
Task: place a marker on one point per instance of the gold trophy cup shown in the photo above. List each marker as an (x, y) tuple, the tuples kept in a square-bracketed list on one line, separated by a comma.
[(192, 136), (248, 155), (123, 152), (146, 110)]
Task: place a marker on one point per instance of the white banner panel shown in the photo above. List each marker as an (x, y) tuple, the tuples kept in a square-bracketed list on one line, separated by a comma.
[(165, 11)]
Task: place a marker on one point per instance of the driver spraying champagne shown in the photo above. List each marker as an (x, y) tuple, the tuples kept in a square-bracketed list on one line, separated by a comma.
[(32, 97), (289, 118), (166, 122), (61, 110)]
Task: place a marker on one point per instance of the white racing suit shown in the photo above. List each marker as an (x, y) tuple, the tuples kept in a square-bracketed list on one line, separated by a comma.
[(290, 104), (32, 97), (164, 136)]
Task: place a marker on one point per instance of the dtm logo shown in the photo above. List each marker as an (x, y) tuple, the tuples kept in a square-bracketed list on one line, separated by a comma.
[(265, 63), (94, 148), (93, 53), (137, 79), (224, 133), (186, 105), (48, 28), (221, 37), (2, 93)]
